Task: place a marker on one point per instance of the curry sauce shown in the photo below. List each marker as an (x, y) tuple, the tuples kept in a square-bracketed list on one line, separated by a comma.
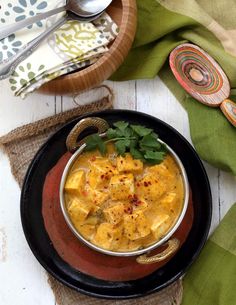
[(122, 204)]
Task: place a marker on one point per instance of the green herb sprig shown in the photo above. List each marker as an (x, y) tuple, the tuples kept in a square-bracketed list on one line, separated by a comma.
[(141, 142)]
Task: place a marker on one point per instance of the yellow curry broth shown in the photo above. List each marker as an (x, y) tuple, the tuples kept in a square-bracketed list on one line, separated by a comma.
[(121, 204)]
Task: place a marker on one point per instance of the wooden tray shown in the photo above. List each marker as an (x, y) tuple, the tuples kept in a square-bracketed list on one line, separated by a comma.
[(124, 13)]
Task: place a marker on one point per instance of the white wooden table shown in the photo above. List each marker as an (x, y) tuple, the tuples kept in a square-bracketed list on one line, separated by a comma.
[(22, 279)]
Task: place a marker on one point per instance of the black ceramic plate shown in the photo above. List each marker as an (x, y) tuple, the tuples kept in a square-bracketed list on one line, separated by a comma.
[(42, 248)]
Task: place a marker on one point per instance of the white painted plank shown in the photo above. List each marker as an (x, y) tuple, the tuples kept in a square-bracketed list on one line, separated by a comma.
[(15, 112), (154, 98), (213, 175), (124, 94), (227, 194), (24, 279)]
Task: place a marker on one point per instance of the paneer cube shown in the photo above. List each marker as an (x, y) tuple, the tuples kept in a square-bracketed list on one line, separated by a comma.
[(128, 164), (87, 230), (121, 187), (101, 171), (135, 244), (130, 226), (75, 182), (97, 198), (151, 186), (114, 214), (141, 204), (79, 210), (160, 225), (106, 234), (161, 171), (169, 199), (136, 225), (143, 226)]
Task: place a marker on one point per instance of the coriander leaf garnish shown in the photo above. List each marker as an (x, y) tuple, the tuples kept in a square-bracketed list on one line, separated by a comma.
[(141, 130), (141, 142), (121, 125), (121, 147), (154, 155), (150, 141), (136, 154), (95, 141), (111, 133)]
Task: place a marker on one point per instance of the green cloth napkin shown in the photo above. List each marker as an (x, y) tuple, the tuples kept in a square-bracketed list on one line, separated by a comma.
[(164, 24), (212, 278)]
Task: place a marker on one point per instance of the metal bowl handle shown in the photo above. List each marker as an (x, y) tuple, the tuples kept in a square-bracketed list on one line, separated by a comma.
[(172, 246), (72, 139)]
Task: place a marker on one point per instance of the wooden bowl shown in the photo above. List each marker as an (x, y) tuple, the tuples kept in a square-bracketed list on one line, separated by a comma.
[(124, 13)]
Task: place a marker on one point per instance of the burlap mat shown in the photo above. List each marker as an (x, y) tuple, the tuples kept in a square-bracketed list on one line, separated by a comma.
[(21, 145)]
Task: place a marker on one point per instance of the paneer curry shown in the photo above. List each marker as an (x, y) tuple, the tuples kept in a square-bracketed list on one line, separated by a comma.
[(121, 204)]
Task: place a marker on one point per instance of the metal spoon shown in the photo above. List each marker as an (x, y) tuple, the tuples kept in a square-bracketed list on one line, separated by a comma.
[(82, 8), (8, 66)]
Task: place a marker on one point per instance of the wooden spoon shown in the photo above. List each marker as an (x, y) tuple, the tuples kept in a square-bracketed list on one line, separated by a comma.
[(202, 77)]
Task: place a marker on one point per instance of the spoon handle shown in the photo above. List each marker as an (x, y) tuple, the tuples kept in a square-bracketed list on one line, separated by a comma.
[(8, 66), (12, 28), (228, 108)]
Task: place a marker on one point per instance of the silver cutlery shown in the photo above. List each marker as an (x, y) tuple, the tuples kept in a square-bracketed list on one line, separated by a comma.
[(8, 66), (82, 8)]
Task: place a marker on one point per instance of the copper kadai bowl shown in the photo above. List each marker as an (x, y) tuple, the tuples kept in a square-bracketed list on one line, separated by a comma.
[(172, 244)]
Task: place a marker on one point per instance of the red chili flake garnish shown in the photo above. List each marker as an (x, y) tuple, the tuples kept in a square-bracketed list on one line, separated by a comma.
[(128, 210), (121, 161), (136, 203), (135, 200), (93, 158), (84, 193), (138, 184), (149, 183), (102, 176), (145, 184), (130, 196)]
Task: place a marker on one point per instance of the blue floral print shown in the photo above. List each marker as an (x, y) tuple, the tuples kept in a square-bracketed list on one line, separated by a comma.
[(9, 46), (29, 8)]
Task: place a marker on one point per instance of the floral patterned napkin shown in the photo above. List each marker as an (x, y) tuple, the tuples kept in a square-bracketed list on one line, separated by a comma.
[(73, 46)]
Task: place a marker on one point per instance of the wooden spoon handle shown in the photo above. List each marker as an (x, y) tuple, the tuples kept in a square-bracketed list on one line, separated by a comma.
[(228, 107)]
